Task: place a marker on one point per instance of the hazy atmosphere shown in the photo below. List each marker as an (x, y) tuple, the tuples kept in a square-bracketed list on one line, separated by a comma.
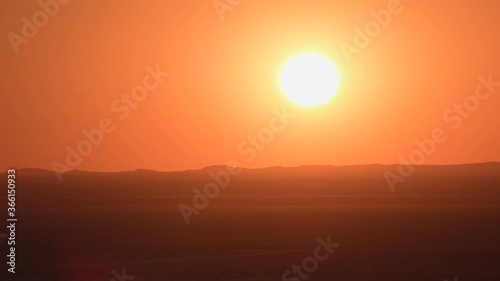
[(224, 62), (234, 140)]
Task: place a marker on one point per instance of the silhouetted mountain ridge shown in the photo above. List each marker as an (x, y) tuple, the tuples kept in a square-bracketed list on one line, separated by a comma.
[(376, 170)]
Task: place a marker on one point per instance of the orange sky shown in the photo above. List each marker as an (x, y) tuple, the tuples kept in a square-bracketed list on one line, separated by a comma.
[(223, 82)]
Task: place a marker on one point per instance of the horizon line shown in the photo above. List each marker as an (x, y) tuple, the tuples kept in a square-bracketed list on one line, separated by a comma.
[(246, 168)]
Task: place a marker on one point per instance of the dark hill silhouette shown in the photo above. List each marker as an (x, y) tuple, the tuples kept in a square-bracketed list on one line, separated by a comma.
[(324, 171), (443, 221)]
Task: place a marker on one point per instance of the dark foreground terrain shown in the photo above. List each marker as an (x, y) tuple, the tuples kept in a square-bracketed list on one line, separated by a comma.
[(441, 223)]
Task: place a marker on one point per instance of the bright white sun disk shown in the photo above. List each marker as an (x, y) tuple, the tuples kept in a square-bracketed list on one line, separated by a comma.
[(309, 79)]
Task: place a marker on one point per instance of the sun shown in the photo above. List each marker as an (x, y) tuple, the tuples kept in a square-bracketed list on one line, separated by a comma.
[(309, 79)]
